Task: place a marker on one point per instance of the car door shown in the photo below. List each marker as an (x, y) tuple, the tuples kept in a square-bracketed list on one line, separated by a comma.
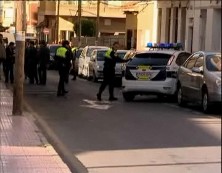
[(92, 63), (197, 78), (81, 61), (186, 75)]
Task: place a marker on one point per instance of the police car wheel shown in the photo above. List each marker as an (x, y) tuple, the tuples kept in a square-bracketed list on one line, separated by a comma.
[(128, 97)]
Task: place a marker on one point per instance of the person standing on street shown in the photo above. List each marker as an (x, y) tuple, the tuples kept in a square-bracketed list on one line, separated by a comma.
[(32, 63), (2, 54), (63, 55), (43, 57), (111, 59), (9, 62)]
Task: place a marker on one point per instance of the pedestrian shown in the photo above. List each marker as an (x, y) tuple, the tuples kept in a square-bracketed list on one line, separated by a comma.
[(32, 63), (9, 62), (43, 58), (26, 69), (2, 54), (63, 55), (111, 59)]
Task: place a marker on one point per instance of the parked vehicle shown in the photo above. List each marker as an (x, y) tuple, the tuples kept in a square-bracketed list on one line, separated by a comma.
[(78, 53), (96, 64), (52, 62), (83, 65), (152, 72), (199, 80)]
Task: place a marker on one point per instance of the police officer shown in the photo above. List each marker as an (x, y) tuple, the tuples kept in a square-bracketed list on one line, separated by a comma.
[(43, 57), (63, 56), (9, 62), (111, 59)]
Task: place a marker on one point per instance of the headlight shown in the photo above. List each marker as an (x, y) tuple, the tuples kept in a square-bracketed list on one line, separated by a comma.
[(98, 67), (218, 82)]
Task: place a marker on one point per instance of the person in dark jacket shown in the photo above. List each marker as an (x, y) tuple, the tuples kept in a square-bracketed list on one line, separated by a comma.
[(26, 67), (111, 59), (43, 58), (32, 63), (9, 62), (63, 56)]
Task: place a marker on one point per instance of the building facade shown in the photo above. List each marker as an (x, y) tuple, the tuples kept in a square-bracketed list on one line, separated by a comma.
[(141, 24), (195, 24), (112, 20)]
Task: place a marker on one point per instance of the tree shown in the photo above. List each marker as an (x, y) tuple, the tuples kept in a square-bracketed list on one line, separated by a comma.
[(88, 28)]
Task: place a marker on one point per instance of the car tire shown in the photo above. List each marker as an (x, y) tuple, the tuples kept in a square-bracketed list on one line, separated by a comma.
[(95, 79), (180, 99), (128, 97), (205, 102)]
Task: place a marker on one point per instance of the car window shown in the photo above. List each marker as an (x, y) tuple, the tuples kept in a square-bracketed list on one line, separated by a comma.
[(213, 62), (101, 55), (158, 59), (182, 57), (121, 54), (53, 49), (78, 53), (200, 61), (191, 61)]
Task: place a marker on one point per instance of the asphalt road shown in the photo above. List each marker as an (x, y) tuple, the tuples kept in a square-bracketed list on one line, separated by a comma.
[(147, 135)]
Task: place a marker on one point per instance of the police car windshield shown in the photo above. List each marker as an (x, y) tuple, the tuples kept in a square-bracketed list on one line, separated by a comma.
[(101, 55), (155, 59)]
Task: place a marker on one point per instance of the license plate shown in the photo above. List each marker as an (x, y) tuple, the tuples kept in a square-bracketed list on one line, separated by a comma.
[(143, 75)]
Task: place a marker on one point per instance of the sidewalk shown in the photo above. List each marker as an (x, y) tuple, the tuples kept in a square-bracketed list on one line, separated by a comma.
[(23, 148)]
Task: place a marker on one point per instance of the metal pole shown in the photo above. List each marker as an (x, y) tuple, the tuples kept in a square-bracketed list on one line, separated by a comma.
[(19, 60), (57, 22), (79, 21), (97, 22)]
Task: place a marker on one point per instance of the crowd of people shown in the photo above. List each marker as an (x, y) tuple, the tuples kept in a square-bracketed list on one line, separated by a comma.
[(37, 58)]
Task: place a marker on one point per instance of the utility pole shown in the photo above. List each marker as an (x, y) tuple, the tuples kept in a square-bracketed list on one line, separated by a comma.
[(19, 60), (97, 22), (79, 21), (57, 22)]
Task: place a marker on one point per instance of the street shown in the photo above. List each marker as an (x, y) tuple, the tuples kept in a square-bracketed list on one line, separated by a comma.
[(147, 135)]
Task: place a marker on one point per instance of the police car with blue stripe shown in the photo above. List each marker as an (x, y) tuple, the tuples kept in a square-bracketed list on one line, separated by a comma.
[(153, 71)]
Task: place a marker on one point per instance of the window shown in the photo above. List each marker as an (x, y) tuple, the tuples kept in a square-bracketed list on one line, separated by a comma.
[(182, 57), (121, 54), (199, 62), (213, 62), (191, 61), (101, 55), (156, 59)]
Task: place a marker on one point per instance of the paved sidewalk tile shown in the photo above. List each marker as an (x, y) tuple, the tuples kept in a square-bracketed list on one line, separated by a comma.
[(23, 148)]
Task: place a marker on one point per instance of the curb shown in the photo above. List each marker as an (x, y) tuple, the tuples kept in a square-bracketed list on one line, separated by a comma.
[(72, 162)]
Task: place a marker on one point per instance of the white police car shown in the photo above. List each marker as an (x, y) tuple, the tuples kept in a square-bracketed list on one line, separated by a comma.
[(152, 72)]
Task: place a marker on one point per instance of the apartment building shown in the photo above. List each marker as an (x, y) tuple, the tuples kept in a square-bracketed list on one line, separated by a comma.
[(112, 19), (7, 14), (194, 23)]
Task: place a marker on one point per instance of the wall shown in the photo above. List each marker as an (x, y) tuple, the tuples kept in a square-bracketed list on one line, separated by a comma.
[(147, 25)]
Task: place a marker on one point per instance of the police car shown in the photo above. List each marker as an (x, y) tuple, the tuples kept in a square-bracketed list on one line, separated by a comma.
[(153, 72)]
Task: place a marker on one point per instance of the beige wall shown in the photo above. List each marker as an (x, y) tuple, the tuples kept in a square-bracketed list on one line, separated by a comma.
[(147, 25)]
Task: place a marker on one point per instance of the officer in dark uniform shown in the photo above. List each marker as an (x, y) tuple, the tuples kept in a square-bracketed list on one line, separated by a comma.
[(9, 62), (63, 56), (43, 57), (111, 59)]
